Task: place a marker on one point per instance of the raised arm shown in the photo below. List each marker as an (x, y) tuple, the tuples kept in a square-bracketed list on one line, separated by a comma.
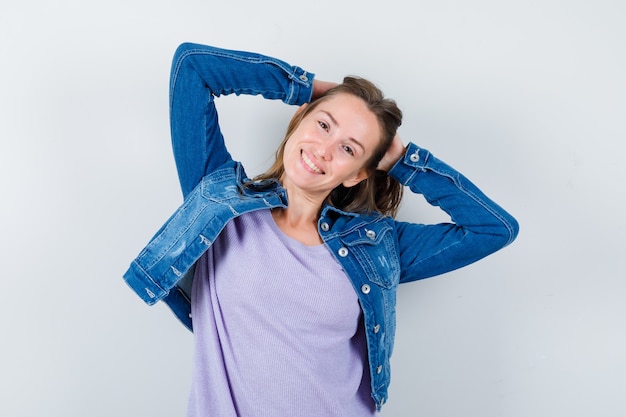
[(199, 74), (479, 226)]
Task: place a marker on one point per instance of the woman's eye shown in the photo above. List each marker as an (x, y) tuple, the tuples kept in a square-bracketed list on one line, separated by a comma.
[(348, 150), (323, 125)]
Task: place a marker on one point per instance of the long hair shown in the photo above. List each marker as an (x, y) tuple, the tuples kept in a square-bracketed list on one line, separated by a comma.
[(378, 192)]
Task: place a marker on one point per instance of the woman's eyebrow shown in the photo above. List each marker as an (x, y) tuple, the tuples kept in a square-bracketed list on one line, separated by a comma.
[(332, 119), (330, 116)]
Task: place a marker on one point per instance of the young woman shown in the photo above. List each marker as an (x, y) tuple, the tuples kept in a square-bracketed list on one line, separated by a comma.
[(291, 277)]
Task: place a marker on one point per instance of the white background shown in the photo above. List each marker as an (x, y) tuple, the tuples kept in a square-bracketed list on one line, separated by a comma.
[(527, 98)]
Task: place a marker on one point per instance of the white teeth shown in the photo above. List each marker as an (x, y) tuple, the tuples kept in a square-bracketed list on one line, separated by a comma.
[(310, 164)]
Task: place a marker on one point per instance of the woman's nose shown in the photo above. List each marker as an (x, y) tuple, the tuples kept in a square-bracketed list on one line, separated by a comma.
[(324, 151)]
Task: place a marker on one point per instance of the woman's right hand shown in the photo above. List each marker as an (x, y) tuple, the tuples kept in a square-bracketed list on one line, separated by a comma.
[(320, 87)]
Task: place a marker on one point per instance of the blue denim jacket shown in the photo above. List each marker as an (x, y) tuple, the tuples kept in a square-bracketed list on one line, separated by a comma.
[(376, 252)]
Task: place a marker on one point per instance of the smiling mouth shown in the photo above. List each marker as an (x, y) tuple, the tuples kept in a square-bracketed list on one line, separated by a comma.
[(309, 163)]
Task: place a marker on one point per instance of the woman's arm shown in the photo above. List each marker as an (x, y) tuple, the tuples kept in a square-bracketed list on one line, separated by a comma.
[(479, 226), (199, 74)]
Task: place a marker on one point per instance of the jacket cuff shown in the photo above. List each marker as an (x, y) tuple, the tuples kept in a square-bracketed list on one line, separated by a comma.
[(301, 85), (143, 285), (414, 159)]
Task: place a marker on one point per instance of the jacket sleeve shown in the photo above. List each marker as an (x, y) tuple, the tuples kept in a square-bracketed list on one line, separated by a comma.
[(479, 226), (199, 74)]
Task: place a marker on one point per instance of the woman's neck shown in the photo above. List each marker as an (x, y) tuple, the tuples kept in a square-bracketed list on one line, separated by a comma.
[(299, 219)]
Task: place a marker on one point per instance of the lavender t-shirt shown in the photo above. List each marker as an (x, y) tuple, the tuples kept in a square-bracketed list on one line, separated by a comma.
[(277, 329)]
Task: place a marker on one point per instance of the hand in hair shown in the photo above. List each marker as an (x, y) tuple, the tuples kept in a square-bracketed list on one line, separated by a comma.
[(320, 87), (394, 153)]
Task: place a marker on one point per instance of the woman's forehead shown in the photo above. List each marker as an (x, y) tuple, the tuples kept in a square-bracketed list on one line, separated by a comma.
[(345, 107)]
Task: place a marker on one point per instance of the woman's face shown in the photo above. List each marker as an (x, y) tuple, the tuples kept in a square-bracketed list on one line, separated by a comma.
[(331, 146)]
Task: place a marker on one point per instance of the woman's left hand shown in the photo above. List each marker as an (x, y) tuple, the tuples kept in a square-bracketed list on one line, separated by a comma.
[(393, 155)]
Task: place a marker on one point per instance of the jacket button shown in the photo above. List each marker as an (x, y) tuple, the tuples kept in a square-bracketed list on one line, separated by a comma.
[(343, 252), (415, 157), (377, 328), (365, 289), (379, 369), (371, 234), (325, 227)]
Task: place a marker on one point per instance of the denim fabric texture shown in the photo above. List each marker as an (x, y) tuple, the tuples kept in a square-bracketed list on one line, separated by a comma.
[(376, 252)]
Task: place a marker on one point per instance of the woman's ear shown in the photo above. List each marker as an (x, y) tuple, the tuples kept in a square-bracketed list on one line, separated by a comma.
[(360, 176)]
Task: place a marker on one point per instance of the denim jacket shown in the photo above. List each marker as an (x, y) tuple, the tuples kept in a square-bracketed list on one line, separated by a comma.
[(376, 252)]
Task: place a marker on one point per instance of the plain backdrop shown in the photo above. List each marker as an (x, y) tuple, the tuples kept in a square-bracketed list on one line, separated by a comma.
[(527, 98)]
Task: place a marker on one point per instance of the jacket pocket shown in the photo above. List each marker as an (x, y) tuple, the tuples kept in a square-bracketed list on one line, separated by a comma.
[(374, 248)]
